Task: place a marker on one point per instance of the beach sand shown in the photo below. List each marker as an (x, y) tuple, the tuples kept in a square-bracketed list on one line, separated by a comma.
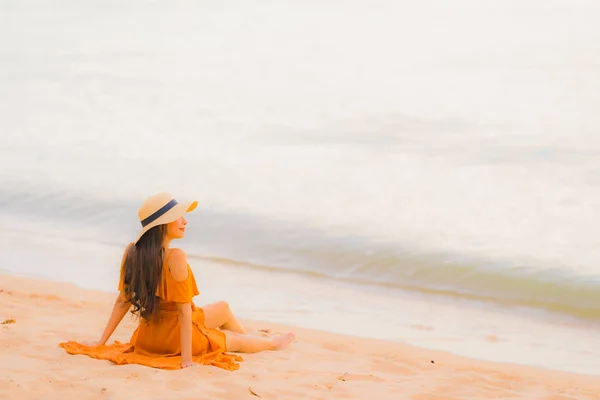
[(318, 365)]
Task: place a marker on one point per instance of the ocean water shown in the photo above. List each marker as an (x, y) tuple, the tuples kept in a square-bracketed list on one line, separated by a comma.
[(418, 172)]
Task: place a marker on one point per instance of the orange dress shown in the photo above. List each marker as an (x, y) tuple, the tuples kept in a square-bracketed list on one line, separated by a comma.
[(157, 343)]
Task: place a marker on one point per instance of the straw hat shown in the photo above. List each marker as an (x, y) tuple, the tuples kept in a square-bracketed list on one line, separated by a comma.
[(160, 209)]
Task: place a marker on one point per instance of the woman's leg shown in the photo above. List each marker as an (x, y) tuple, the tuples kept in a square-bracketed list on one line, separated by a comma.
[(219, 315), (241, 343)]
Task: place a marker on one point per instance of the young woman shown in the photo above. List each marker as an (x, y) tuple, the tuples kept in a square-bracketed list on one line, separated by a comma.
[(157, 282)]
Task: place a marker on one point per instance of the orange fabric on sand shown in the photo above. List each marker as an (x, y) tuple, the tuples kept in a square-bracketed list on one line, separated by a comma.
[(157, 343)]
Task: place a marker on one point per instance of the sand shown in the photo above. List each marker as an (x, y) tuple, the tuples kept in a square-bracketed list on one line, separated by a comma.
[(318, 365)]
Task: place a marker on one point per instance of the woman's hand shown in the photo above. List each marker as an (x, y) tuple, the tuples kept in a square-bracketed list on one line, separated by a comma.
[(188, 364)]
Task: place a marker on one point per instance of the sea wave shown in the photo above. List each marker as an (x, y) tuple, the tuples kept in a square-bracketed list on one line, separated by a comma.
[(552, 290), (261, 242)]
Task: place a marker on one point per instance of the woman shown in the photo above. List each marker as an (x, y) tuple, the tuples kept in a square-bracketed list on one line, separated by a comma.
[(158, 283)]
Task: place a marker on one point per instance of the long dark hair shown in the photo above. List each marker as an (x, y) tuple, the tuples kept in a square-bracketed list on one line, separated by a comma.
[(142, 270)]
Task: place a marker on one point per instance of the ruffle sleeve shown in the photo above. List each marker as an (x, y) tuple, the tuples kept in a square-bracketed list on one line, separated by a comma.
[(177, 291)]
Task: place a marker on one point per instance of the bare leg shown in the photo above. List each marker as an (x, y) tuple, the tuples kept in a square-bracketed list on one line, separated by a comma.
[(219, 315), (237, 342)]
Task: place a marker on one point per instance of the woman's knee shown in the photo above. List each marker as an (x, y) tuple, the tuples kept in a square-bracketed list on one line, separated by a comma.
[(222, 305)]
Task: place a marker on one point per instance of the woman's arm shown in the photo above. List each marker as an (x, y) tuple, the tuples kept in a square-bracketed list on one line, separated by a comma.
[(179, 272), (185, 325), (119, 310)]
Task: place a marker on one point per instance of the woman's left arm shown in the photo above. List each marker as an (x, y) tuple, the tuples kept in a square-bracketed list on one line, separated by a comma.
[(119, 310)]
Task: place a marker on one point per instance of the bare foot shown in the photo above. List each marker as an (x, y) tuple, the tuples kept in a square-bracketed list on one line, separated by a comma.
[(281, 341)]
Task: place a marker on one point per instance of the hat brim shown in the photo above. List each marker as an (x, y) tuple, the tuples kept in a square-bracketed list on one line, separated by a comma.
[(173, 214)]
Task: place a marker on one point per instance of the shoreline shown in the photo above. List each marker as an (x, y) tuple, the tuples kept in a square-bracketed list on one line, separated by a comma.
[(474, 329), (318, 364)]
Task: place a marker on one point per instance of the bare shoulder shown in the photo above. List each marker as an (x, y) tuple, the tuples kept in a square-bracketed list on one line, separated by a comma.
[(178, 265)]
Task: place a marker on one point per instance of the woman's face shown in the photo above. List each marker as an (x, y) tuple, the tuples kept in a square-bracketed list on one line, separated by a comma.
[(176, 229)]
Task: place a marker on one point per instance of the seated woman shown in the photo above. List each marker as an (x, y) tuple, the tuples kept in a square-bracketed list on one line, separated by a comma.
[(158, 283)]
